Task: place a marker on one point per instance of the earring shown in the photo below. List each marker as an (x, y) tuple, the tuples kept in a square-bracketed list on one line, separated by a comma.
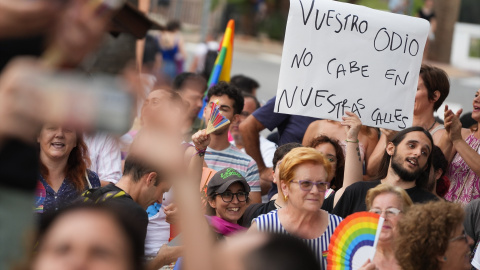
[(285, 197), (445, 258)]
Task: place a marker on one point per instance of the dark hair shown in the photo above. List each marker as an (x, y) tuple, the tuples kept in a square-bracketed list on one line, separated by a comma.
[(77, 164), (244, 83), (184, 78), (281, 252), (422, 181), (137, 168), (223, 88), (282, 150), (125, 223), (438, 160), (435, 79), (337, 182), (247, 95), (173, 25)]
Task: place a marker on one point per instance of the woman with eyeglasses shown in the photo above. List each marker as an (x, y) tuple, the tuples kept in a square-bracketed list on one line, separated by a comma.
[(431, 237), (391, 203), (303, 180), (227, 193)]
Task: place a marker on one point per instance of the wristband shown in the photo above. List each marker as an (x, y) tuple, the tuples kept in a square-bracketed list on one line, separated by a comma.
[(200, 152)]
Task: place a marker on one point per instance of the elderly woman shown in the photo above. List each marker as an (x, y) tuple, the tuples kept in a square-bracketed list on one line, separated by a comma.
[(431, 237), (63, 168), (304, 180), (391, 203), (463, 154), (227, 193)]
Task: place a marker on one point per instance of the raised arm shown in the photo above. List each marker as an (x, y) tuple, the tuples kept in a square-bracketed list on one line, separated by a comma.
[(250, 129), (454, 130), (353, 162), (311, 132)]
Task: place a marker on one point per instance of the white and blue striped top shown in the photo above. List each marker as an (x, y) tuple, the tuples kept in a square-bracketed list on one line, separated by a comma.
[(270, 223)]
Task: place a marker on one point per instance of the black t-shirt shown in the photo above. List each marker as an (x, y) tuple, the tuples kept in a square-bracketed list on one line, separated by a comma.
[(328, 203), (255, 210), (353, 199), (129, 207)]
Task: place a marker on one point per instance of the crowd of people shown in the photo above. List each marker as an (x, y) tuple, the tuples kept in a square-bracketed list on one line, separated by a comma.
[(167, 194)]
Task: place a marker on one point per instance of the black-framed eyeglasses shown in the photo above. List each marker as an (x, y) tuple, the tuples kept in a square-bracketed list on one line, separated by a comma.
[(389, 212), (227, 196), (307, 185), (462, 236)]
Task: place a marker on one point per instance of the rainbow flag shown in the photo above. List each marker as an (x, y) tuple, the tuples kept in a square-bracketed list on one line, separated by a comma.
[(223, 64)]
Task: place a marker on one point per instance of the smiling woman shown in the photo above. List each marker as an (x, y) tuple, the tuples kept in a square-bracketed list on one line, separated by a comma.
[(227, 200), (63, 168)]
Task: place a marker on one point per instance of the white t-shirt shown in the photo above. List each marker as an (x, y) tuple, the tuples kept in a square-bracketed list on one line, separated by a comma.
[(476, 259), (158, 230)]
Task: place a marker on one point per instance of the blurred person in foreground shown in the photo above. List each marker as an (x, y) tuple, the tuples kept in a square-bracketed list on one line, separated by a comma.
[(87, 236), (463, 152), (431, 237), (304, 180), (191, 87), (63, 168), (391, 203)]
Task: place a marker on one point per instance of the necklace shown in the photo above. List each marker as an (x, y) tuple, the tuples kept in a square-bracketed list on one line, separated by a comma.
[(277, 205), (434, 122)]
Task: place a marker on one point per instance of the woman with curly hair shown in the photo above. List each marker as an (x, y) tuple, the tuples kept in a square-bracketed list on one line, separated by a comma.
[(63, 168), (390, 202), (431, 237)]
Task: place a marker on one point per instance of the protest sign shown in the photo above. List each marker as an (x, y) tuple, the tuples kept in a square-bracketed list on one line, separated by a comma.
[(341, 57)]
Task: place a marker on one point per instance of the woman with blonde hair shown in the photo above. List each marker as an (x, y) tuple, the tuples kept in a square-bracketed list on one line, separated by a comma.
[(390, 202), (304, 179)]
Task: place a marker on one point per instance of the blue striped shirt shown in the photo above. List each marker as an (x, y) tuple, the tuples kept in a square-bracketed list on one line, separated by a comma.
[(234, 158), (270, 223)]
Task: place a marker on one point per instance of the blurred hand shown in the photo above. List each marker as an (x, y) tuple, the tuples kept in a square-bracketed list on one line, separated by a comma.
[(352, 125), (167, 254), (171, 212), (201, 139), (22, 108), (19, 18), (266, 174), (368, 265), (452, 124), (389, 133), (77, 33)]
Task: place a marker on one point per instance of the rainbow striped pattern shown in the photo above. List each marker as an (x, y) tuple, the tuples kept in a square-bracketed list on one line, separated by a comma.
[(354, 241), (223, 64), (216, 119)]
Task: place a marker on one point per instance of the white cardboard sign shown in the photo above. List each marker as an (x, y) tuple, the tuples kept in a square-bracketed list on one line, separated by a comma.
[(341, 57)]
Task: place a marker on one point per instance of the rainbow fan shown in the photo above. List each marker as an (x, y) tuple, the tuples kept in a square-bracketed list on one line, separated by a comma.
[(216, 120), (354, 241)]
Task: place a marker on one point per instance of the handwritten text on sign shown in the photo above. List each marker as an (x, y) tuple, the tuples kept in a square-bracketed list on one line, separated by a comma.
[(340, 57)]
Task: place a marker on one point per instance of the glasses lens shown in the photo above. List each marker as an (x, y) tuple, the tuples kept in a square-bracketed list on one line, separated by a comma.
[(227, 196), (242, 196), (322, 186), (392, 212), (305, 185), (376, 211)]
